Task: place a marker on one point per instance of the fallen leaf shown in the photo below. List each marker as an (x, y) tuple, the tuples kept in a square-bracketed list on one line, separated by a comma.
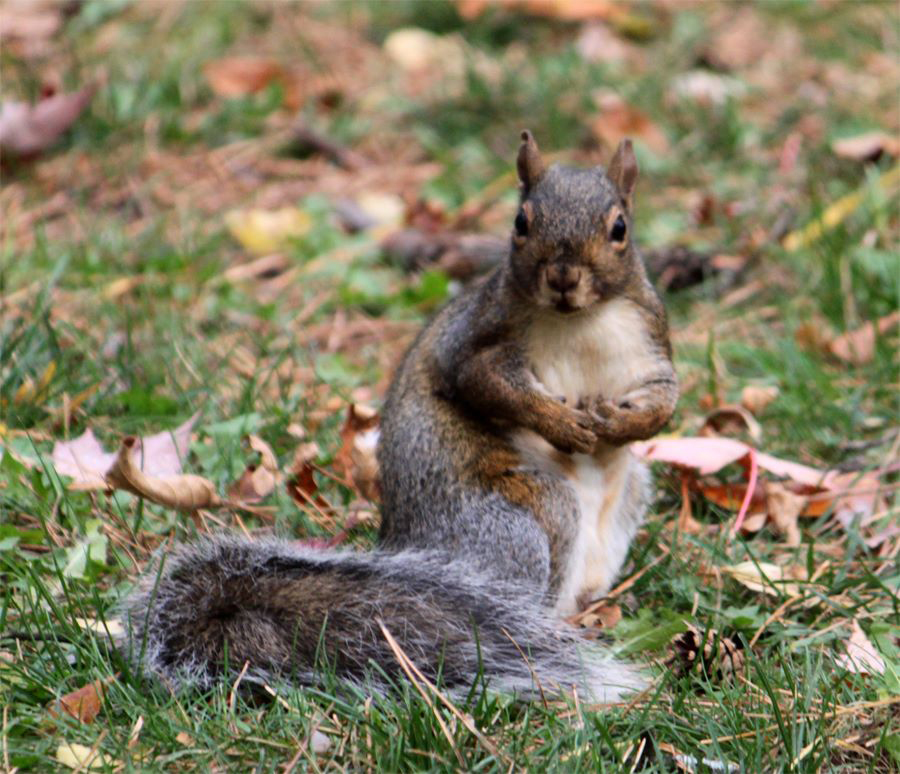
[(135, 734), (618, 120), (184, 491), (356, 458), (731, 420), (755, 398), (185, 739), (301, 485), (255, 484), (26, 130), (32, 392), (867, 147), (686, 521), (858, 346), (112, 626), (268, 231), (765, 577), (267, 457), (837, 212), (241, 76), (709, 455), (77, 756), (862, 657), (85, 461), (85, 703), (784, 508)]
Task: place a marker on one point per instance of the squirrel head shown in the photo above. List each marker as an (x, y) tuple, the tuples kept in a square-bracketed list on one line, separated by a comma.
[(571, 240)]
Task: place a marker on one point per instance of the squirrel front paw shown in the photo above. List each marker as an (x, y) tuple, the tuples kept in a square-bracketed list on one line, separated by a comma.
[(572, 431), (610, 419)]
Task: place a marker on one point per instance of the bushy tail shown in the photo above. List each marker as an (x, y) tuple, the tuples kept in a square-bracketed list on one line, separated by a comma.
[(213, 606)]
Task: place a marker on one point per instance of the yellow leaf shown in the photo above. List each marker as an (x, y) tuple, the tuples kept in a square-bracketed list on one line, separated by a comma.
[(77, 756), (267, 231), (837, 213), (29, 392)]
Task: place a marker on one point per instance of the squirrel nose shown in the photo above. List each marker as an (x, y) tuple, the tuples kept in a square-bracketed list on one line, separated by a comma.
[(562, 277)]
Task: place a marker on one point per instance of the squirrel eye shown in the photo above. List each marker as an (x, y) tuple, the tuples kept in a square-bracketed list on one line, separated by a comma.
[(617, 234), (521, 223)]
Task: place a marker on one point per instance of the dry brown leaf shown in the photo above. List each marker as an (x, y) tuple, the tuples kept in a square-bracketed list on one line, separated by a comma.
[(867, 147), (257, 481), (185, 739), (784, 508), (754, 522), (731, 495), (267, 457), (26, 130), (730, 420), (241, 76), (686, 521), (185, 491), (356, 459), (755, 398), (858, 346), (255, 484), (85, 703), (862, 657), (618, 120), (301, 485)]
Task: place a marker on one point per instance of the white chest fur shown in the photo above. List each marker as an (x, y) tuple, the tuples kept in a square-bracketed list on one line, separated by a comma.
[(605, 352)]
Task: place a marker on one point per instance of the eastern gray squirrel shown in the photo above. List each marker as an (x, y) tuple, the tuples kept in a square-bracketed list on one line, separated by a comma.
[(509, 494)]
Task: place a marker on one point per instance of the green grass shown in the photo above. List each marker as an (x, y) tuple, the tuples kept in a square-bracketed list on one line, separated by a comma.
[(143, 357)]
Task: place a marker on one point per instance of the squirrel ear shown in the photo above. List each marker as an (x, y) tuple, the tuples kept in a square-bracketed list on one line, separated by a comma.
[(623, 170), (529, 162)]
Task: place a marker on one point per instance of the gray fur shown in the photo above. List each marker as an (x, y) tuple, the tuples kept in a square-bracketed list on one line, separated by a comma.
[(229, 590)]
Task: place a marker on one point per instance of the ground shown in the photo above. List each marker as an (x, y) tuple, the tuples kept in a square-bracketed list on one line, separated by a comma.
[(144, 281)]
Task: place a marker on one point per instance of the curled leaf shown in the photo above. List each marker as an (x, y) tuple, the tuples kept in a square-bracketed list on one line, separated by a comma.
[(185, 491)]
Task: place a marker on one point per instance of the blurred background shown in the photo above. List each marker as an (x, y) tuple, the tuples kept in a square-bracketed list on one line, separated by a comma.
[(226, 173)]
